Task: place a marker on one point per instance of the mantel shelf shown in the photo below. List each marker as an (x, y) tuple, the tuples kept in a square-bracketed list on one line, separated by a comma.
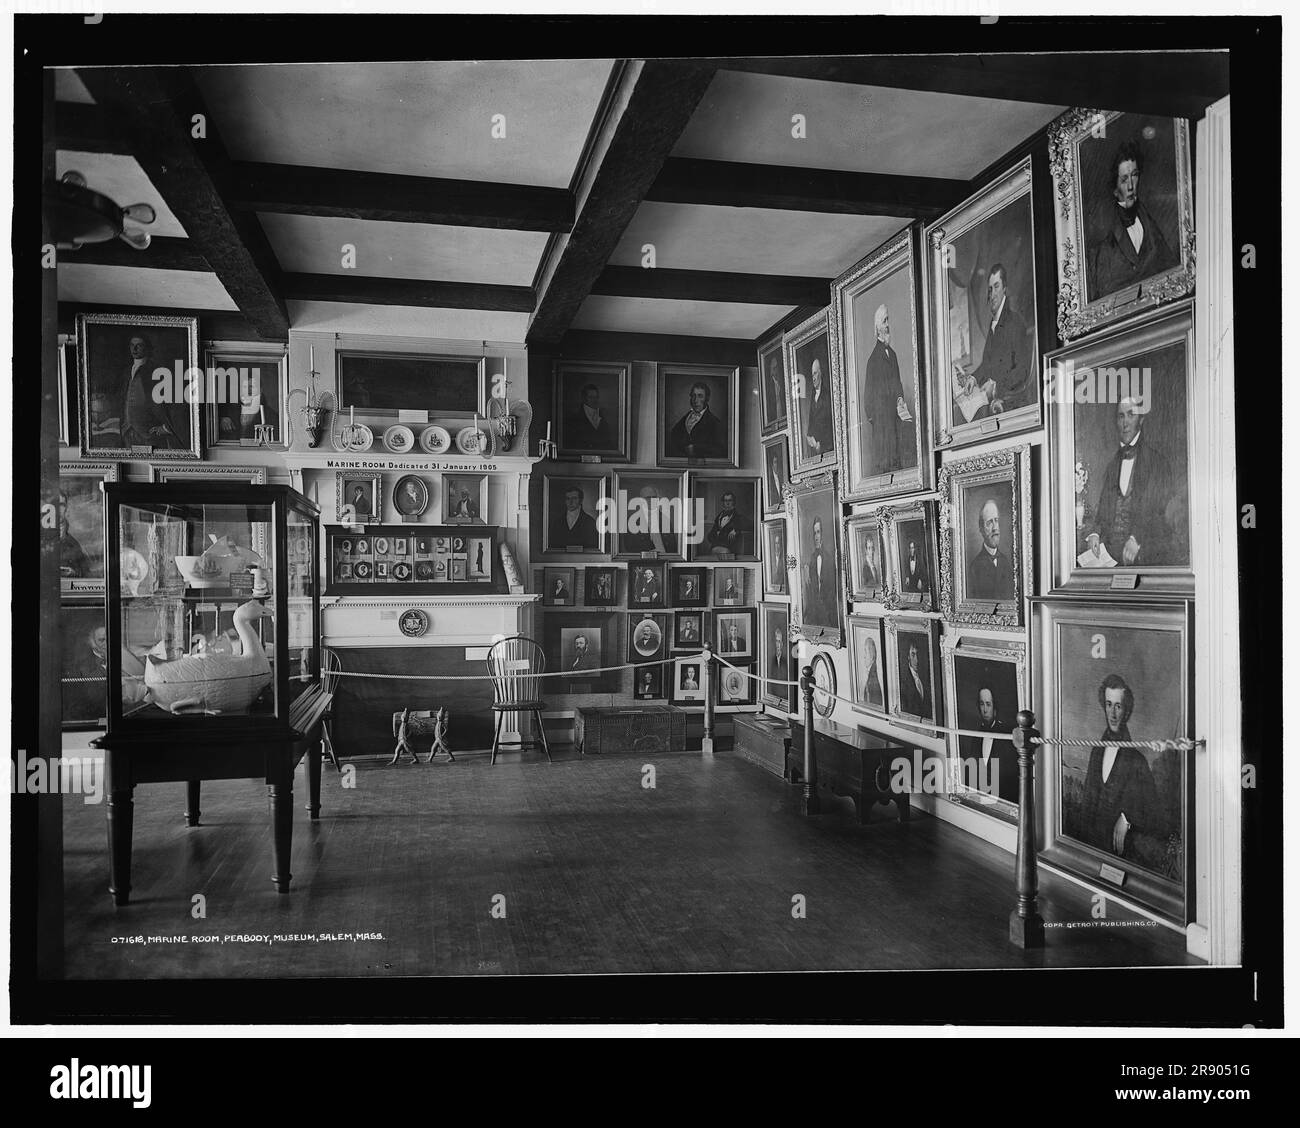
[(493, 600), (381, 459)]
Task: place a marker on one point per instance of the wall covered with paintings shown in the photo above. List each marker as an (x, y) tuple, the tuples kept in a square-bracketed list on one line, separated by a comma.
[(987, 436)]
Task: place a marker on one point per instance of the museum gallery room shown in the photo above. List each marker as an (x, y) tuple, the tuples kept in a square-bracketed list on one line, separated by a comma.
[(641, 516)]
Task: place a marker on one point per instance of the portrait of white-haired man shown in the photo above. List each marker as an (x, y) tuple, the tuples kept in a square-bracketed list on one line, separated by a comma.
[(989, 571), (1119, 809), (889, 436)]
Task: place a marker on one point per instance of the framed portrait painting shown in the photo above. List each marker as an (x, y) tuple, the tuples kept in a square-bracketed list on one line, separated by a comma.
[(1121, 445), (772, 385), (66, 388), (84, 675), (557, 587), (736, 686), (411, 497), (1119, 812), (985, 334), (776, 474), (867, 679), (648, 682), (592, 410), (135, 398), (776, 577), (1124, 227), (911, 655), (687, 587), (729, 586), (986, 548), (817, 585), (600, 587), (81, 525), (729, 507), (578, 645), (245, 397), (687, 673), (775, 656), (866, 552), (734, 634), (464, 499), (699, 415), (572, 511), (814, 396), (690, 629), (985, 685), (652, 515), (647, 637), (876, 319), (912, 545), (646, 585), (358, 497)]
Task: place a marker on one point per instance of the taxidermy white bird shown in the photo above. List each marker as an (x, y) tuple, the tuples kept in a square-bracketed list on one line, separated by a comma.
[(211, 682)]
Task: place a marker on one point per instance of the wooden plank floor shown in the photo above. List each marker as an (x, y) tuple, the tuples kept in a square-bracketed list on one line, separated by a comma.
[(598, 873)]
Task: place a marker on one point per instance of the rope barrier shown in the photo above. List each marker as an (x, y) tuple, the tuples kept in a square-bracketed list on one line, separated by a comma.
[(1179, 744), (544, 674)]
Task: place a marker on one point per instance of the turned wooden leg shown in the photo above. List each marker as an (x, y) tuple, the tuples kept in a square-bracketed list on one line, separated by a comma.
[(281, 833), (191, 802), (121, 816), (313, 780)]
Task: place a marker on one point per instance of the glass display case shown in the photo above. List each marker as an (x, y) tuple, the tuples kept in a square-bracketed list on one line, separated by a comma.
[(213, 606)]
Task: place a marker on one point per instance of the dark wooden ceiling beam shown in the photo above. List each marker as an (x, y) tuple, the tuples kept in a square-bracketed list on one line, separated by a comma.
[(162, 253), (365, 290), (711, 286), (1169, 83), (643, 117), (347, 194), (157, 108), (688, 180)]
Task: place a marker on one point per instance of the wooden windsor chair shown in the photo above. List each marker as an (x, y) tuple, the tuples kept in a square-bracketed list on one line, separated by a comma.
[(515, 665)]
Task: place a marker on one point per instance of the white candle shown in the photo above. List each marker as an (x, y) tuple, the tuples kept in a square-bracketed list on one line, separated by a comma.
[(313, 358), (261, 411), (352, 416), (548, 430)]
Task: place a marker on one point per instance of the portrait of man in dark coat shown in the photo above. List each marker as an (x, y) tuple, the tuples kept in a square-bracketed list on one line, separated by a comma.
[(1119, 809), (1125, 244), (1008, 367), (699, 433), (990, 573)]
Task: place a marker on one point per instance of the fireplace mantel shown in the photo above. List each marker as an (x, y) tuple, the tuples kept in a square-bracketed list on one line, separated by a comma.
[(468, 620)]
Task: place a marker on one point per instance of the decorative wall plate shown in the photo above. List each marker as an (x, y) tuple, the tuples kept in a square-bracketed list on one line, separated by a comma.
[(399, 438), (402, 570), (471, 440), (358, 437), (435, 440), (363, 569)]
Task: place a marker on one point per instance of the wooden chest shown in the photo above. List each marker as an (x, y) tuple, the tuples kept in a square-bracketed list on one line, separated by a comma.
[(854, 762), (650, 728), (762, 740)]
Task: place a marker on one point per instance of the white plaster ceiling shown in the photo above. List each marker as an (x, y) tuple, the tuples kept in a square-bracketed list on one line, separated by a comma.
[(123, 181), (748, 117), (312, 245), (408, 321), (129, 285), (691, 319), (413, 118), (751, 240)]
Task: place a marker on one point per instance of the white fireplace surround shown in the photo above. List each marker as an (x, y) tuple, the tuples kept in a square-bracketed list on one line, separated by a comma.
[(350, 622)]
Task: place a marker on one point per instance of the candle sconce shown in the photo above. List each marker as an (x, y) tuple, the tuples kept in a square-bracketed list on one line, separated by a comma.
[(264, 433), (315, 413), (509, 420)]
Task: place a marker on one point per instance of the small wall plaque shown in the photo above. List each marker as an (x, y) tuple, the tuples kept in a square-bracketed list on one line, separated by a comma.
[(1124, 583), (1112, 874)]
